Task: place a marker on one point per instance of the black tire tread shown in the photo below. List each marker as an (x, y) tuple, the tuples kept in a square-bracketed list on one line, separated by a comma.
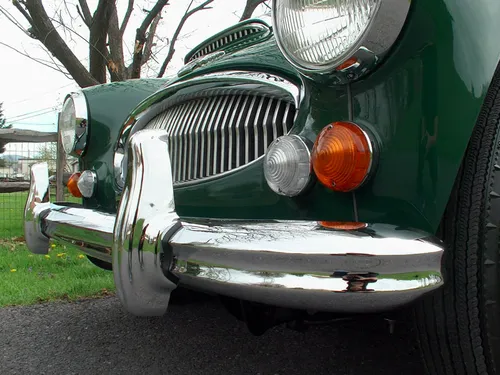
[(458, 326)]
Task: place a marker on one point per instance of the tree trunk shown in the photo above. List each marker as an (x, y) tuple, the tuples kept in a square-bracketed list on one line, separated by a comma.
[(98, 35), (116, 64)]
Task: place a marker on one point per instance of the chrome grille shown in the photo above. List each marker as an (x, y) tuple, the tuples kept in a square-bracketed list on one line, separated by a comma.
[(219, 43), (212, 135)]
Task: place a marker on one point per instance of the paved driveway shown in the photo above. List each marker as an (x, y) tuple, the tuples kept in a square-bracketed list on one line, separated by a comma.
[(97, 337)]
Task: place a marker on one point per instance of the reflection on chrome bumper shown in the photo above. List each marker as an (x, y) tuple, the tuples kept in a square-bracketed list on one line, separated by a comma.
[(285, 263)]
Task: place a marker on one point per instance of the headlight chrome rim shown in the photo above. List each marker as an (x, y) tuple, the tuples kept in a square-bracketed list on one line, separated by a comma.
[(81, 122), (366, 52)]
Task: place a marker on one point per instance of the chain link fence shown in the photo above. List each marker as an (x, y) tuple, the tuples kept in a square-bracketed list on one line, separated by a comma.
[(16, 159)]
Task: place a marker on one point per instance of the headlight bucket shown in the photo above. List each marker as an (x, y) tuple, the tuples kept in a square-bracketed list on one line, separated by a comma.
[(73, 124), (341, 38)]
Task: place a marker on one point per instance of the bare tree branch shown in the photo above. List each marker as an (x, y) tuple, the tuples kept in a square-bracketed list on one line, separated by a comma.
[(171, 48), (148, 45), (14, 21), (98, 36), (86, 15), (44, 31), (40, 61), (126, 18), (23, 11), (250, 8), (140, 38)]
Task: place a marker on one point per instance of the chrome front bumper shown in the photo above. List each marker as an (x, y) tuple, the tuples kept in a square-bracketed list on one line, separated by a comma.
[(291, 264)]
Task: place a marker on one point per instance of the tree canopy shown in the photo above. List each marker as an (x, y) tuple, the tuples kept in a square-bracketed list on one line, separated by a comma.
[(105, 30)]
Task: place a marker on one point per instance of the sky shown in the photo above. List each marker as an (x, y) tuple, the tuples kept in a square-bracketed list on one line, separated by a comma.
[(32, 93)]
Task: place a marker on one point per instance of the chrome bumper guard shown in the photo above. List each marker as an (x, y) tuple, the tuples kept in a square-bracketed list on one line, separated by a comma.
[(291, 264)]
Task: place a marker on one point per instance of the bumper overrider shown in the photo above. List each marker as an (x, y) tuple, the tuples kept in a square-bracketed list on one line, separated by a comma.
[(287, 263)]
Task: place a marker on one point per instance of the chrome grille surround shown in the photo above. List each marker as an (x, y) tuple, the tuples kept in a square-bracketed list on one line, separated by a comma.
[(229, 37), (196, 99)]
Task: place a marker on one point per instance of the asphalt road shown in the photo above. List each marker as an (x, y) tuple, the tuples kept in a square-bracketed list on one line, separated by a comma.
[(98, 337)]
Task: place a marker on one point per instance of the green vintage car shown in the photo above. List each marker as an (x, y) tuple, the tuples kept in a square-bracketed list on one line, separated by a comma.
[(341, 159)]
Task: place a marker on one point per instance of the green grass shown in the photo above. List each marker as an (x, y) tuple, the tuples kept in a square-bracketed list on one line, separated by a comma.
[(63, 274), (12, 212)]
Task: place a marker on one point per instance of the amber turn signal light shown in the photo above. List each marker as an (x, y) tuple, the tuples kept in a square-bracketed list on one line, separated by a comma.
[(73, 185), (342, 156)]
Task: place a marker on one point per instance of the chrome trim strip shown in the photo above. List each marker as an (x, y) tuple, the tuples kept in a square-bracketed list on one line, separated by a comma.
[(287, 263)]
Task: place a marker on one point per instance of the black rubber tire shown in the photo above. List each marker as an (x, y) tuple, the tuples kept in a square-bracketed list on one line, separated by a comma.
[(459, 326)]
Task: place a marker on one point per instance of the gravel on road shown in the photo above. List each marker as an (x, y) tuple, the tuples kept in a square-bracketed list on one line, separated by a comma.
[(98, 337)]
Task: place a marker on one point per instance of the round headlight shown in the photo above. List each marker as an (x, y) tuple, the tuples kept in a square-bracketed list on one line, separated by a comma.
[(67, 121), (287, 165), (73, 124), (321, 34)]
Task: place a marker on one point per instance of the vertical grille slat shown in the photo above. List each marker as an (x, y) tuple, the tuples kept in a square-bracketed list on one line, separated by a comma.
[(203, 133), (193, 140), (265, 124), (185, 139), (176, 141), (217, 126), (250, 116), (197, 138), (209, 135), (257, 121), (231, 127), (238, 137), (229, 111), (218, 133)]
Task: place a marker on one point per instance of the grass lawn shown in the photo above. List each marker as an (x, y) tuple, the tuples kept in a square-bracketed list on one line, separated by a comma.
[(12, 212), (64, 273), (26, 278)]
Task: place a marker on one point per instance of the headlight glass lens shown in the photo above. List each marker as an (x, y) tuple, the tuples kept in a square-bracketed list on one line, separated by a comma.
[(315, 34), (287, 165), (67, 123)]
